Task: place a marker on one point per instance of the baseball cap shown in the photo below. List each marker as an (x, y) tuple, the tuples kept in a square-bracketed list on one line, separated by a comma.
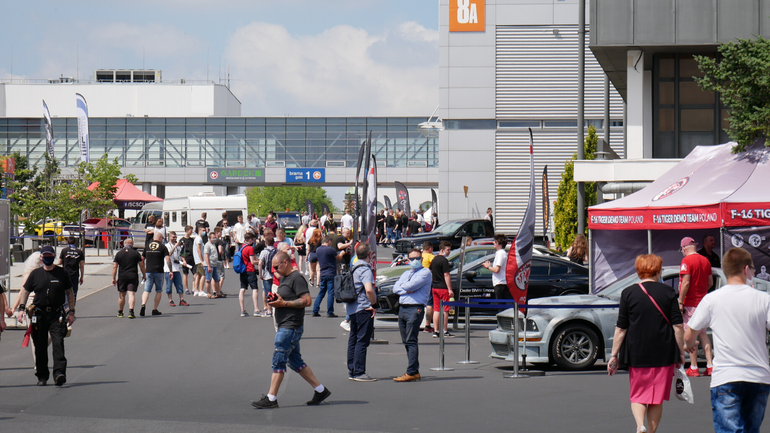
[(47, 249), (686, 242)]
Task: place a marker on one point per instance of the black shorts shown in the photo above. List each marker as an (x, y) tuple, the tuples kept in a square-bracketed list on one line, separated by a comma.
[(128, 285)]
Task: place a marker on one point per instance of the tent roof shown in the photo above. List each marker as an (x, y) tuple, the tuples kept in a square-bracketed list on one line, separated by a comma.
[(709, 188), (128, 196)]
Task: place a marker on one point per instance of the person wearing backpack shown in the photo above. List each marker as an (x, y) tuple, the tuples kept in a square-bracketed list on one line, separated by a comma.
[(266, 272), (361, 313), (245, 260), (327, 262)]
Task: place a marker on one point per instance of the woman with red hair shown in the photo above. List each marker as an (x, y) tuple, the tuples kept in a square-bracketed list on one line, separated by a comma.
[(648, 339)]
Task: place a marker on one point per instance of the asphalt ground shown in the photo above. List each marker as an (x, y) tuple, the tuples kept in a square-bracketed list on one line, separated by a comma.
[(198, 368)]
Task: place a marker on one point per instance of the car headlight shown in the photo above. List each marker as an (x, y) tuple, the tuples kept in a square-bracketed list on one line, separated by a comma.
[(380, 278), (531, 325)]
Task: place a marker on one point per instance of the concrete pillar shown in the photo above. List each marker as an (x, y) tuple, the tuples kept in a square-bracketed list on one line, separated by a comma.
[(233, 190), (636, 101), (147, 187), (160, 191)]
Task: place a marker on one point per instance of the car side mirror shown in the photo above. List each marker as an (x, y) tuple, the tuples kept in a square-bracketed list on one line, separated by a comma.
[(470, 275), (461, 234)]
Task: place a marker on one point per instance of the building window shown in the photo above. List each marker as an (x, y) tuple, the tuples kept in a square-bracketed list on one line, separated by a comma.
[(684, 116)]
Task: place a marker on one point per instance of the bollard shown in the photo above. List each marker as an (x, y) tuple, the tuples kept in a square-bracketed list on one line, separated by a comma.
[(467, 335), (515, 374), (441, 339)]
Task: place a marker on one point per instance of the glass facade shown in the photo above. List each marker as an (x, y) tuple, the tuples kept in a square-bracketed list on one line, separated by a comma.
[(684, 116), (228, 141)]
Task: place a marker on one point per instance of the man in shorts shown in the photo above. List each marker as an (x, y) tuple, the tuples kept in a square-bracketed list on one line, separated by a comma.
[(694, 281), (200, 274), (739, 316), (427, 259), (127, 280), (211, 262), (155, 254), (187, 254), (292, 296), (248, 279), (441, 287)]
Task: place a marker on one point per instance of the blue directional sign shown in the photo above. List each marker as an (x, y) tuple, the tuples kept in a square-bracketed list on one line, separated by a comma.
[(305, 175)]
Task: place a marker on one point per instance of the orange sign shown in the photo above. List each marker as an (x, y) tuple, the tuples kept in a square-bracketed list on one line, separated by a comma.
[(466, 15)]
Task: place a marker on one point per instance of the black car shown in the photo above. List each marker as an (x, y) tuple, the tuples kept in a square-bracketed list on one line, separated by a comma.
[(550, 276), (451, 231)]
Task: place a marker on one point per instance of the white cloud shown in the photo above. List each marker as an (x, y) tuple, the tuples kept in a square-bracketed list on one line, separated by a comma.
[(342, 71)]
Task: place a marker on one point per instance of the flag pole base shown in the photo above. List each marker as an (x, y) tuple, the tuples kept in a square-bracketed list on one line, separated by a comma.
[(467, 362), (442, 369), (515, 376)]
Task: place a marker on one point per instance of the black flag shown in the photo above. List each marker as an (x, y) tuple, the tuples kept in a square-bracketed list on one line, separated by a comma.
[(325, 208), (546, 205), (310, 207), (402, 195), (434, 202), (388, 205)]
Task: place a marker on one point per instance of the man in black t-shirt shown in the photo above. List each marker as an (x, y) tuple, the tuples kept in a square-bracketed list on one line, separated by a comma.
[(52, 287), (390, 222), (292, 297), (441, 286), (128, 280), (73, 260), (203, 223), (155, 253), (187, 254)]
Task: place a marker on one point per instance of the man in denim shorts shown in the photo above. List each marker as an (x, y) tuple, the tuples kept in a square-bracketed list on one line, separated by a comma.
[(738, 316), (289, 305), (155, 253)]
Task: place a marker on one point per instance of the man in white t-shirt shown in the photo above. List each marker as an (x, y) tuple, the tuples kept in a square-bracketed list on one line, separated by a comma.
[(173, 268), (239, 232), (738, 316), (200, 273), (498, 268), (347, 220), (323, 219)]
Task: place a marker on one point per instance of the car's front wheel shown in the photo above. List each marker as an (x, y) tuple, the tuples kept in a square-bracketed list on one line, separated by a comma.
[(575, 347)]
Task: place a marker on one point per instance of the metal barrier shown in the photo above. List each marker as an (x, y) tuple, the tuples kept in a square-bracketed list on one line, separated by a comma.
[(497, 304)]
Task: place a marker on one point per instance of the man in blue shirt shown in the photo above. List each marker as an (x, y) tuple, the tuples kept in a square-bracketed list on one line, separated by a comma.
[(413, 289), (327, 261)]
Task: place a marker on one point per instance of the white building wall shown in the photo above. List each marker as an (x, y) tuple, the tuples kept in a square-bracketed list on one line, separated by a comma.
[(119, 100)]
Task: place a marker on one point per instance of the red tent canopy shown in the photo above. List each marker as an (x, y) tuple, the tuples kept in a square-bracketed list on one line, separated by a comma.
[(128, 196)]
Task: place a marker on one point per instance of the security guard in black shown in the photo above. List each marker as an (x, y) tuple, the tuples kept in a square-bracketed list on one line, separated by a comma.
[(51, 285)]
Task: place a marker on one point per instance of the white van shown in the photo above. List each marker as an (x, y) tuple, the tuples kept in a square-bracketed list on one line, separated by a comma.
[(179, 212)]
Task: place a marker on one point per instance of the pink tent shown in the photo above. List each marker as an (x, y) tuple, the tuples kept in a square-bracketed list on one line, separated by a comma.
[(710, 192)]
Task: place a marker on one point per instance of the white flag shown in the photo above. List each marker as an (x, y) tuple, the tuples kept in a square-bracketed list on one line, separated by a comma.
[(48, 130), (82, 110), (371, 209)]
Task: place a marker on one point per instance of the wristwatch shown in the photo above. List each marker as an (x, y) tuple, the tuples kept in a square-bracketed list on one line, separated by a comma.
[(71, 311)]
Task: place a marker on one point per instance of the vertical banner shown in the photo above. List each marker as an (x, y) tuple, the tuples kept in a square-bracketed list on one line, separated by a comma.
[(48, 130), (388, 204), (356, 208), (402, 195), (325, 208), (310, 207), (371, 210), (82, 111), (546, 206), (364, 201), (520, 256)]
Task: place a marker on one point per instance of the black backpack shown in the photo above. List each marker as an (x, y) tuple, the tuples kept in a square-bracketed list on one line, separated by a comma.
[(344, 287)]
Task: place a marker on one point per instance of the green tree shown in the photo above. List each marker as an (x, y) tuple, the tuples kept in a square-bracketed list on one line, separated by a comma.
[(740, 76), (35, 191), (263, 199), (565, 210)]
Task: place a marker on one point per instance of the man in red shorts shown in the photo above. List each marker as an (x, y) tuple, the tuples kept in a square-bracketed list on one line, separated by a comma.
[(441, 284), (694, 281)]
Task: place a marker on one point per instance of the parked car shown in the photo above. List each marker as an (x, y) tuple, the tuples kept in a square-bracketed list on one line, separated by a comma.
[(548, 277), (471, 254), (573, 338), (49, 227), (93, 228), (449, 231)]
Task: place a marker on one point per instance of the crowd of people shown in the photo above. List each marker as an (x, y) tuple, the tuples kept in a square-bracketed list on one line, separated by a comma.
[(657, 326)]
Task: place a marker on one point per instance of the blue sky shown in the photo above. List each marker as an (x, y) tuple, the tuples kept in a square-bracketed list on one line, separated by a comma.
[(288, 57)]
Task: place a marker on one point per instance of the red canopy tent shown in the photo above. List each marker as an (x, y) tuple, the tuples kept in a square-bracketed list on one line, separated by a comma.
[(710, 192), (128, 196)]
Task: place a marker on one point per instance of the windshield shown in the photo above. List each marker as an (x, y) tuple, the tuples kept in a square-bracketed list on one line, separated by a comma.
[(448, 228), (289, 220), (670, 277)]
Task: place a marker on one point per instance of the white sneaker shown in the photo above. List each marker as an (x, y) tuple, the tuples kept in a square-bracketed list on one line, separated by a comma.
[(345, 325)]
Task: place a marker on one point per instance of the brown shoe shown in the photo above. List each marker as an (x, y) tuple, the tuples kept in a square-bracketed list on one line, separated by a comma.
[(407, 378)]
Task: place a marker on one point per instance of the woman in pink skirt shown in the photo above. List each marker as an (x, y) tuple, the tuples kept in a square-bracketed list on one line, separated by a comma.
[(649, 336)]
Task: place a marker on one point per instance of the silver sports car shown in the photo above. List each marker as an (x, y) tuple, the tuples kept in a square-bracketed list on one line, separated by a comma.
[(573, 338)]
